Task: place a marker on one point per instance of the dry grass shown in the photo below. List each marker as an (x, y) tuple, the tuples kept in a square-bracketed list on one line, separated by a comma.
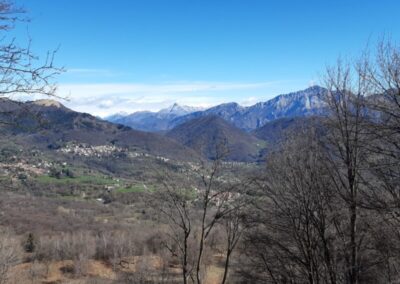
[(61, 271), (58, 273), (65, 229)]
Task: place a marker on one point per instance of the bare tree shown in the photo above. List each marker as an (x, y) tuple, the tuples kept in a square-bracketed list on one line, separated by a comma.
[(383, 76), (21, 71), (10, 253), (382, 73), (234, 227), (292, 237), (221, 199), (346, 144), (197, 204), (176, 204)]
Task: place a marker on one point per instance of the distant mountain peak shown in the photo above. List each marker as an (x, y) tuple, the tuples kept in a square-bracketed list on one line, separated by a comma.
[(231, 104), (178, 109), (315, 88), (152, 121)]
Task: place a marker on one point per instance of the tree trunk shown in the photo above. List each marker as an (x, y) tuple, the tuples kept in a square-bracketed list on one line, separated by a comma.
[(226, 267)]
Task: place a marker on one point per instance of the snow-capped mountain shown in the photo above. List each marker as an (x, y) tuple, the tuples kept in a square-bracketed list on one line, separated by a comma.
[(178, 110), (152, 121)]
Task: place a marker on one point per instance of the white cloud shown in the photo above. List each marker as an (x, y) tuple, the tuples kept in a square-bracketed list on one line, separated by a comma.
[(105, 99), (106, 104)]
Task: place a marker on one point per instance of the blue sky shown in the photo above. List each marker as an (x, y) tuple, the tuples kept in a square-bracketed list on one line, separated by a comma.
[(129, 55)]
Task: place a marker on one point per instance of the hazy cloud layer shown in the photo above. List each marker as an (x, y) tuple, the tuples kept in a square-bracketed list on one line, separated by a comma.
[(105, 99)]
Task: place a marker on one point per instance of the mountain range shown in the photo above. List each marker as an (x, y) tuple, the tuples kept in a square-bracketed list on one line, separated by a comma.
[(152, 121), (184, 133), (308, 102)]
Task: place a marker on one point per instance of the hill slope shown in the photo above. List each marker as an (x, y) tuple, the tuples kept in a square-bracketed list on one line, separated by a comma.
[(206, 134), (277, 131), (50, 124)]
